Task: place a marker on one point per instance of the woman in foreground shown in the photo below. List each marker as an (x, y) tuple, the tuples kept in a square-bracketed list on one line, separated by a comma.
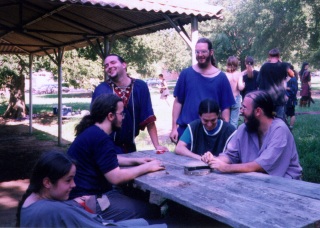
[(45, 202)]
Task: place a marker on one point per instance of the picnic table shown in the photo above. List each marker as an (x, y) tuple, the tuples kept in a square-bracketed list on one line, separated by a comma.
[(238, 199)]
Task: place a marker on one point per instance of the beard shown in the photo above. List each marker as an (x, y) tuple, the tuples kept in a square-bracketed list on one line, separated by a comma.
[(114, 124), (252, 123), (205, 64)]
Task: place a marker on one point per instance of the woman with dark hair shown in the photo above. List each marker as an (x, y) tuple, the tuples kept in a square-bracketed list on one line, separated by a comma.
[(305, 78), (45, 202), (99, 164), (250, 76), (207, 134)]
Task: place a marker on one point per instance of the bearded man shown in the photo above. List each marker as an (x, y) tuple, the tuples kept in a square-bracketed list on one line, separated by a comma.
[(262, 144), (196, 83)]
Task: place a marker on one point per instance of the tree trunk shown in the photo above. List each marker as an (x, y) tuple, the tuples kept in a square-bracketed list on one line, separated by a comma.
[(17, 108)]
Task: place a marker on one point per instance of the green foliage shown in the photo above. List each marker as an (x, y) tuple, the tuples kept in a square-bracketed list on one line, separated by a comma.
[(306, 134)]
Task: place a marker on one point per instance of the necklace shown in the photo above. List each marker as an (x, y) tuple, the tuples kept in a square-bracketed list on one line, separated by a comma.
[(123, 92)]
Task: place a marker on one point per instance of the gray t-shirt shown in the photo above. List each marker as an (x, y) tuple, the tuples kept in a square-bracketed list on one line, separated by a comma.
[(278, 154), (51, 213)]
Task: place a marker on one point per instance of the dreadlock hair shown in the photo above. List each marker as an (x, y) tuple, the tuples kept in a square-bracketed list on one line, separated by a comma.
[(101, 107)]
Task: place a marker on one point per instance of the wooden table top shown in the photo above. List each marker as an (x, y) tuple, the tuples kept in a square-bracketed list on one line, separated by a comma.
[(239, 200)]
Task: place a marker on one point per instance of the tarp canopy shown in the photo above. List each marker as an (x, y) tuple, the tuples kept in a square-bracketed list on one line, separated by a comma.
[(44, 27), (40, 26)]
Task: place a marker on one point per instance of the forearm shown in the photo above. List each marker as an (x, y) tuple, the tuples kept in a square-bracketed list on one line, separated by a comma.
[(176, 110), (225, 114), (242, 168), (120, 176), (124, 161), (183, 150), (152, 130)]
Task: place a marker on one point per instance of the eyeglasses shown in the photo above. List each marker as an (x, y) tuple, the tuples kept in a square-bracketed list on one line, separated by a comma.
[(203, 52), (123, 114), (243, 108)]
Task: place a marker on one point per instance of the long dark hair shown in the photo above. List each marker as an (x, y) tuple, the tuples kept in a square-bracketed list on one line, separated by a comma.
[(304, 64), (210, 47), (249, 61), (262, 100), (53, 165), (101, 107), (208, 106)]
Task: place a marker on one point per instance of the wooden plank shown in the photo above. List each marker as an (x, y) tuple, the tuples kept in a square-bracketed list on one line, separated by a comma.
[(231, 199), (218, 202)]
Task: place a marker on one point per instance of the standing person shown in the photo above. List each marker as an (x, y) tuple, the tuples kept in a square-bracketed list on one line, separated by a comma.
[(249, 77), (207, 134), (196, 83), (291, 92), (99, 165), (137, 104), (272, 79), (236, 82), (164, 91), (305, 78), (262, 144)]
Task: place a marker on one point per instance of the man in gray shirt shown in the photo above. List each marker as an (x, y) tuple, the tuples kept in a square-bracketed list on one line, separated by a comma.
[(262, 144)]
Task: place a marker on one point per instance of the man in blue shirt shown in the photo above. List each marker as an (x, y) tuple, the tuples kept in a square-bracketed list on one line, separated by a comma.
[(200, 81)]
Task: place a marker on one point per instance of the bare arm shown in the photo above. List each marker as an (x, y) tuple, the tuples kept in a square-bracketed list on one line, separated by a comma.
[(241, 84), (182, 149), (124, 161), (176, 110), (119, 176), (221, 166), (152, 130), (225, 114)]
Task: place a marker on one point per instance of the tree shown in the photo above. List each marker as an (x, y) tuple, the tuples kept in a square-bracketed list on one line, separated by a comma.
[(12, 73)]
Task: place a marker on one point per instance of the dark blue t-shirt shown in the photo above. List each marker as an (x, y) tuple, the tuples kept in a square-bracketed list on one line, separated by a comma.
[(139, 112), (95, 154), (192, 88)]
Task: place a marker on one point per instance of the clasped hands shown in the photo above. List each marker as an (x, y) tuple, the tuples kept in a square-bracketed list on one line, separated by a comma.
[(214, 162)]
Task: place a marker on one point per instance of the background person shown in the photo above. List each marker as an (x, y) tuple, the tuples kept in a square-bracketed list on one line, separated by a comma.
[(291, 92), (137, 104), (305, 78), (196, 83), (99, 168), (250, 76), (262, 144), (164, 90), (207, 134), (237, 85), (272, 79)]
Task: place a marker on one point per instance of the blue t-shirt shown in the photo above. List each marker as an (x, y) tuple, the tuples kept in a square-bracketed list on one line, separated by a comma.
[(95, 154), (192, 88)]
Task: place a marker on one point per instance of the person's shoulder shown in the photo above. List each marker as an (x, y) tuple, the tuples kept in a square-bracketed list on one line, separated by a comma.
[(140, 83), (228, 125)]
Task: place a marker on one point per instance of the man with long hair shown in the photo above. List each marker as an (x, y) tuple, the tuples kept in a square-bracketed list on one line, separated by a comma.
[(200, 81)]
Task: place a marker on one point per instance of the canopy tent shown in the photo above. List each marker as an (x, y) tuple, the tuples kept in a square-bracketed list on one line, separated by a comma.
[(44, 27)]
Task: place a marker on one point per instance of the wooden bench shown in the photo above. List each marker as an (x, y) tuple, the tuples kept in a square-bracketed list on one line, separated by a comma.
[(239, 200)]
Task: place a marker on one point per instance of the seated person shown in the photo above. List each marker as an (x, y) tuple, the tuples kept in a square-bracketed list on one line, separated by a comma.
[(207, 134), (44, 203), (262, 144), (98, 164)]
